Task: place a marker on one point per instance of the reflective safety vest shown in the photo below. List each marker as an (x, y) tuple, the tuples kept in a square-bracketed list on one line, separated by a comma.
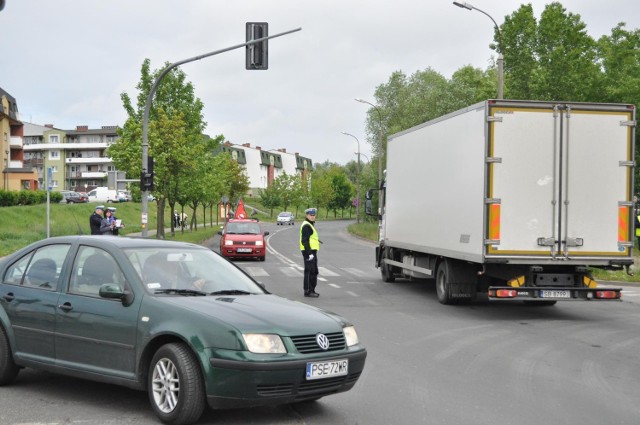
[(314, 242), (637, 227)]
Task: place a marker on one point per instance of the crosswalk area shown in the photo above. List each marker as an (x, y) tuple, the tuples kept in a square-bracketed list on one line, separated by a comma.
[(298, 271)]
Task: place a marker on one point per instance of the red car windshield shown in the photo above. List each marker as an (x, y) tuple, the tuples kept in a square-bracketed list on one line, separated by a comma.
[(243, 228)]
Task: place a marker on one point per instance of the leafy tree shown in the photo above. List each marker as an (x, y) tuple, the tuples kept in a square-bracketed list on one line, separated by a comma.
[(270, 198), (175, 134)]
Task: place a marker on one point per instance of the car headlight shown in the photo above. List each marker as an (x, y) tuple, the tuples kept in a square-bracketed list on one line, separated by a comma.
[(264, 343), (228, 242), (351, 336), (259, 243)]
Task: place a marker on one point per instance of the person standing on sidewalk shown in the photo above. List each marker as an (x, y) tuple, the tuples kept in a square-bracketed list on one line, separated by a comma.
[(309, 246)]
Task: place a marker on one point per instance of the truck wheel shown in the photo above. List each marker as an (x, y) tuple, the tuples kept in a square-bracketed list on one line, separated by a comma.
[(8, 369), (385, 269), (443, 287), (175, 385)]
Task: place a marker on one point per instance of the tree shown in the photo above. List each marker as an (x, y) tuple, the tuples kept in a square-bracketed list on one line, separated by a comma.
[(270, 198), (175, 134)]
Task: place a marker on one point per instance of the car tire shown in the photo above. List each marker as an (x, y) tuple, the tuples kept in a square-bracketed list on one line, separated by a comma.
[(263, 258), (8, 369), (175, 385)]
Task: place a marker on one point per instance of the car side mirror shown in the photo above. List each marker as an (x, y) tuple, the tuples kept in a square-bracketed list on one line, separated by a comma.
[(116, 292), (220, 232), (367, 207)]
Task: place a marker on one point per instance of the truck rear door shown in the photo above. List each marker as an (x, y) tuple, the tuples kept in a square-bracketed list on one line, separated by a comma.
[(559, 180)]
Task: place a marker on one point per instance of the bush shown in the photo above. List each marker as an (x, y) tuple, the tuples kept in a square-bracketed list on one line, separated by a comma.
[(10, 198)]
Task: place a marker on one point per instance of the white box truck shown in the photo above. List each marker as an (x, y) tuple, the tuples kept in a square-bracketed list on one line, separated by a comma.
[(514, 198)]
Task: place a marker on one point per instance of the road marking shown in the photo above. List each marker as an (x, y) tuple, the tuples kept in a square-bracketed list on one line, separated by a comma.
[(291, 271), (256, 271), (335, 286), (353, 294), (356, 272), (326, 272)]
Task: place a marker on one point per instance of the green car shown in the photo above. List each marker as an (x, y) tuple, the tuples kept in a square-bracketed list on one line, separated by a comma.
[(174, 319)]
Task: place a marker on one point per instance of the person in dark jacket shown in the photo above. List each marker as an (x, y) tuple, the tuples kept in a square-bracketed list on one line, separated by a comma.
[(95, 220), (309, 246)]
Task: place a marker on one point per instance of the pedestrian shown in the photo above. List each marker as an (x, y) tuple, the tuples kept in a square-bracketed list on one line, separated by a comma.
[(107, 225), (310, 245), (95, 220), (117, 223)]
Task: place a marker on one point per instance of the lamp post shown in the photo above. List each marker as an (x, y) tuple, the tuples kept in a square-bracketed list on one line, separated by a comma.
[(358, 195), (147, 108), (500, 57), (382, 147)]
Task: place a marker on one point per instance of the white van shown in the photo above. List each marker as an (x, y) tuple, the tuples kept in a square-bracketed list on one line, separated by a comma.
[(103, 194)]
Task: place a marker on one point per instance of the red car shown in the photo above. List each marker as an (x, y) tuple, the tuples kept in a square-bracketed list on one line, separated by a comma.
[(242, 238)]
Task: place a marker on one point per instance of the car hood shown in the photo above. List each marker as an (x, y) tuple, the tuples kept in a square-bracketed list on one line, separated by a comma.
[(262, 313)]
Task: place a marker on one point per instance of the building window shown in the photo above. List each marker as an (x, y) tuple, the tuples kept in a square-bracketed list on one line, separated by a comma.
[(54, 154), (54, 138), (54, 168), (110, 168), (94, 139), (54, 183)]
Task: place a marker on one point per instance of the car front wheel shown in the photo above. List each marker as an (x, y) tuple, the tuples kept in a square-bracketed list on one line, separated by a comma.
[(175, 385)]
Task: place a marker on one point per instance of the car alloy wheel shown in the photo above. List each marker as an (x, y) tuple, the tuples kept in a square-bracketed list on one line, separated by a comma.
[(176, 390)]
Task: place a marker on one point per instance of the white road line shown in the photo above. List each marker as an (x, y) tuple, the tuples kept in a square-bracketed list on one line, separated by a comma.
[(353, 294), (355, 272), (334, 285), (256, 271), (291, 272), (326, 272)]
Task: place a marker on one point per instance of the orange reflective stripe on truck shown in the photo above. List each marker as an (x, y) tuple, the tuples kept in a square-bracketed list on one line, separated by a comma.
[(494, 221), (623, 224)]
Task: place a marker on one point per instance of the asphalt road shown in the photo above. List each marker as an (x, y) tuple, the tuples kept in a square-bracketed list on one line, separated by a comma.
[(486, 363)]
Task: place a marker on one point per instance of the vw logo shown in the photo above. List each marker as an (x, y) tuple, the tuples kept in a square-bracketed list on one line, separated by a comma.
[(323, 341)]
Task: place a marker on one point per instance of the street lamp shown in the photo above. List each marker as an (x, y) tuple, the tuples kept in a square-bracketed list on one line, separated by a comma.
[(382, 147), (500, 57), (358, 195)]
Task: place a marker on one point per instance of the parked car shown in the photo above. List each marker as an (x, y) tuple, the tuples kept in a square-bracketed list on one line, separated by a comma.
[(172, 318), (285, 218), (124, 196), (243, 238), (70, 197), (103, 194)]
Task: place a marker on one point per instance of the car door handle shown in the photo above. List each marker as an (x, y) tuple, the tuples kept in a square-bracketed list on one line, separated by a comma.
[(65, 307), (9, 297)]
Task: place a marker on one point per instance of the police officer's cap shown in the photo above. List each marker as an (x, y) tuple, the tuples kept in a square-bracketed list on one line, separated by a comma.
[(112, 209), (100, 207), (310, 211)]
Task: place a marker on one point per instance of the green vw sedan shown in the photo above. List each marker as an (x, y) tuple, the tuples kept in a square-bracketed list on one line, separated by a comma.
[(174, 319)]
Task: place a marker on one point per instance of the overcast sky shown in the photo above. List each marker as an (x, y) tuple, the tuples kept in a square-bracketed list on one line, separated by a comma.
[(67, 61)]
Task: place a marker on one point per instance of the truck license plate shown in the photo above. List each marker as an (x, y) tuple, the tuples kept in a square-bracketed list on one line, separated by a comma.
[(555, 294), (244, 249), (320, 370)]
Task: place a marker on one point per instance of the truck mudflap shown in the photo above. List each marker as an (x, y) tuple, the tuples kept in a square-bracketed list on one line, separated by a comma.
[(553, 294)]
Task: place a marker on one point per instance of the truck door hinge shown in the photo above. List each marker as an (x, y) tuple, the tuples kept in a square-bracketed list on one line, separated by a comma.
[(489, 201), (547, 241), (574, 242), (494, 160), (494, 119), (628, 123), (627, 163)]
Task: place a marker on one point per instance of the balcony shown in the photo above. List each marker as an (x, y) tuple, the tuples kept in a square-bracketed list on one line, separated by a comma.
[(16, 142), (94, 160), (93, 174), (16, 164)]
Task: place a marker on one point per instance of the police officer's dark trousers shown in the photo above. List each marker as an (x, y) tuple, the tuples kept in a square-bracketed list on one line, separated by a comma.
[(310, 274)]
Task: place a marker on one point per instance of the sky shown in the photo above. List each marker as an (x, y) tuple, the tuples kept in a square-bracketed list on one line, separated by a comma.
[(66, 62)]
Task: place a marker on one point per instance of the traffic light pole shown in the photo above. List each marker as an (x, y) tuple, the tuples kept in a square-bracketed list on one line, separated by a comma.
[(147, 108)]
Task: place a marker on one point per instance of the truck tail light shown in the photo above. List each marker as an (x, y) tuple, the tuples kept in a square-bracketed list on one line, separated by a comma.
[(505, 293), (608, 295)]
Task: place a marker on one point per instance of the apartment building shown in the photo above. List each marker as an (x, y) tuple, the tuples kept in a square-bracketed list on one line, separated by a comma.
[(15, 174), (76, 157), (264, 166)]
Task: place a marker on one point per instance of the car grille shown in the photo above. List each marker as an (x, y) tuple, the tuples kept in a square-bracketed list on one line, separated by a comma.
[(307, 344), (323, 386), (244, 243)]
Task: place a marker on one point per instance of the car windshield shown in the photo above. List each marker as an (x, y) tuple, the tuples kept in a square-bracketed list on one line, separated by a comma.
[(284, 214), (189, 272), (243, 228)]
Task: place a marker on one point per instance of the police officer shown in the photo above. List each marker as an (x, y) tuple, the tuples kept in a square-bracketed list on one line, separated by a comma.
[(95, 220), (310, 245)]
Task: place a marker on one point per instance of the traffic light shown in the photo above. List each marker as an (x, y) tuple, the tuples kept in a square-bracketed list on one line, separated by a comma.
[(257, 55), (146, 177)]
